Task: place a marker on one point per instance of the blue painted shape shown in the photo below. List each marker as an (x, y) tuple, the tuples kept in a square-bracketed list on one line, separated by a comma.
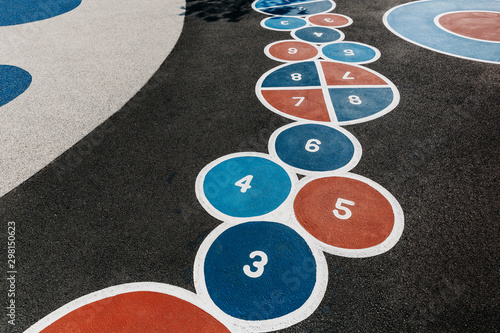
[(13, 82), (415, 22), (14, 12), (300, 9), (335, 151), (276, 3), (349, 52), (318, 34), (301, 74), (373, 100), (287, 280), (284, 23), (270, 186)]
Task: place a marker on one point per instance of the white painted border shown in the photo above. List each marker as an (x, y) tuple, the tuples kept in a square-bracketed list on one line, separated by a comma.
[(294, 31), (389, 108), (333, 5), (281, 212), (350, 165), (334, 14), (386, 245), (388, 26), (263, 22), (436, 22), (375, 58), (266, 50), (288, 320), (123, 289)]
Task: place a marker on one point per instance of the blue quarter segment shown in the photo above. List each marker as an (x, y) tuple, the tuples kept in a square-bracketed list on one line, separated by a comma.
[(14, 12), (285, 23), (13, 82), (302, 74), (329, 149), (373, 100), (349, 52), (270, 186), (287, 279), (318, 34)]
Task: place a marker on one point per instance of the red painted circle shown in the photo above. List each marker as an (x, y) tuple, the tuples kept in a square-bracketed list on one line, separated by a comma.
[(478, 25), (293, 51), (371, 220), (147, 312), (329, 20)]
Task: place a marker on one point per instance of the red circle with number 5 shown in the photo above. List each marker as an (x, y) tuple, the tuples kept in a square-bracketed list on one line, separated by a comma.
[(344, 212)]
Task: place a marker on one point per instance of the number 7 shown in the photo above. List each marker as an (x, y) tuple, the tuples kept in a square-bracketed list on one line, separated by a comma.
[(301, 99)]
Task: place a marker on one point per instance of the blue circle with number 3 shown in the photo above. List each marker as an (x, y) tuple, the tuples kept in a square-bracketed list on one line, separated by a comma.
[(246, 186), (259, 271)]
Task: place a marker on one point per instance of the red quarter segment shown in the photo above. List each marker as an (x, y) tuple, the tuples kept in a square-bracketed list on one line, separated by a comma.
[(305, 103), (338, 74)]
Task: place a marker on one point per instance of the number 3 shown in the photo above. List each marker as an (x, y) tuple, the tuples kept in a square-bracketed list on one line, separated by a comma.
[(257, 264)]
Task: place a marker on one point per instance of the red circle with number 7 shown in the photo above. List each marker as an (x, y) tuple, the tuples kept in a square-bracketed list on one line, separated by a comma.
[(344, 212)]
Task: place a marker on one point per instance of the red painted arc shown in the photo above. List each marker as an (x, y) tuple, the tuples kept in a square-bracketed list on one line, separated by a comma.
[(473, 24)]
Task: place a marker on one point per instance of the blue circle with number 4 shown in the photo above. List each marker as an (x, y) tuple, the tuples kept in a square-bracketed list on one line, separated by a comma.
[(318, 35), (259, 271), (246, 186)]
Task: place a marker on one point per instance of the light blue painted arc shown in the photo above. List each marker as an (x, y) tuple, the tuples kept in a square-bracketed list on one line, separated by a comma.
[(13, 12), (415, 21), (13, 82)]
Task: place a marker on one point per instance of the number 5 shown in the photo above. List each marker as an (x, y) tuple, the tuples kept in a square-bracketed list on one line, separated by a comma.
[(346, 211)]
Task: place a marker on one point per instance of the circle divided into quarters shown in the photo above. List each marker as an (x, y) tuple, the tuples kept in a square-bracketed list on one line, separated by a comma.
[(262, 275), (293, 7), (291, 51), (318, 35), (13, 82), (330, 20), (283, 23), (416, 22), (312, 148), (326, 91), (244, 186), (350, 52), (349, 215)]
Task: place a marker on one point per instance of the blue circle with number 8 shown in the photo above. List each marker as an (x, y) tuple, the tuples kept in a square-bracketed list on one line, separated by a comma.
[(258, 271), (243, 185)]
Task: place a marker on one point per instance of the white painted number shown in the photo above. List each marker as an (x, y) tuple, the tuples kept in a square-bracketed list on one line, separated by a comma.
[(244, 183), (328, 20), (257, 264), (296, 76), (292, 50), (312, 145), (318, 34), (347, 77), (346, 211), (349, 52), (353, 99), (284, 22), (301, 99)]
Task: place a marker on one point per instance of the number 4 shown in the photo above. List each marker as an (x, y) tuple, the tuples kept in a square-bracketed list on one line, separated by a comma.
[(346, 211), (244, 183)]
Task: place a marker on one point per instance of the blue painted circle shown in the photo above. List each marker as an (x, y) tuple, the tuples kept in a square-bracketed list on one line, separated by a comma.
[(13, 82), (284, 23), (318, 35), (314, 147), (287, 280), (414, 22), (293, 7), (270, 186), (14, 12), (349, 52)]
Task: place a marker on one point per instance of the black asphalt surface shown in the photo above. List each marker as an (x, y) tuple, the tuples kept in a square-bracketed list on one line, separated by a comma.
[(120, 206)]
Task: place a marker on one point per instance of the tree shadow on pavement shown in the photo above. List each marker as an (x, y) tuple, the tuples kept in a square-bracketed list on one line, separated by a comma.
[(215, 10)]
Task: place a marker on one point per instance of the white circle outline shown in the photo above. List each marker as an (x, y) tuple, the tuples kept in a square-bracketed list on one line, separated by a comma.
[(282, 322), (375, 58), (332, 7), (375, 250), (266, 50), (263, 23), (341, 38), (391, 29), (328, 26), (120, 289), (389, 108), (436, 22), (349, 166), (282, 211)]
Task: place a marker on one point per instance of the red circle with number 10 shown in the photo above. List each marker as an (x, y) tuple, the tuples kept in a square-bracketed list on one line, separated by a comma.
[(349, 214)]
